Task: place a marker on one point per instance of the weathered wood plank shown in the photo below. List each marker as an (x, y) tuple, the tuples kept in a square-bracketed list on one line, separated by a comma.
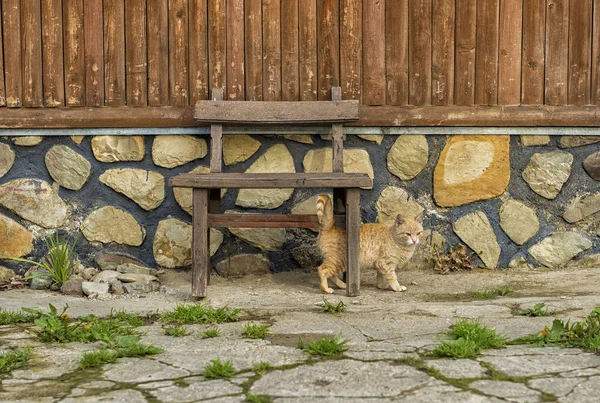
[(466, 41), (136, 61), (328, 37), (2, 86), (580, 52), (235, 50), (596, 55), (271, 180), (307, 19), (419, 52), (200, 243), (198, 50), (178, 52), (351, 54), (534, 44), (509, 55), (353, 242), (93, 53), (374, 85), (442, 58), (337, 135), (158, 47), (217, 44), (486, 59), (396, 51), (557, 46), (216, 138), (114, 53), (270, 112), (31, 50), (74, 52), (271, 50), (254, 54), (290, 81), (270, 221)]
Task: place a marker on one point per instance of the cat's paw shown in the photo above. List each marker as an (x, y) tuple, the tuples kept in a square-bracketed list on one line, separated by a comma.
[(328, 290), (397, 287)]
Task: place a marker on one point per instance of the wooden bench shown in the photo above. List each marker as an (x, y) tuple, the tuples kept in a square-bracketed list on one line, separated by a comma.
[(206, 197)]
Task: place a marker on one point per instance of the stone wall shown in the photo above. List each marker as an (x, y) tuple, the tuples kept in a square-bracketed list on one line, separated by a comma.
[(513, 200)]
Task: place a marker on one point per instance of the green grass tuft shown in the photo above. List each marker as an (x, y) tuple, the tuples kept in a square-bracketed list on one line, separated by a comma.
[(210, 333), (258, 398), (330, 307), (217, 369), (254, 331), (488, 294), (262, 367), (199, 313), (176, 331), (128, 346), (97, 358), (14, 359), (539, 309), (471, 338), (8, 317), (325, 347)]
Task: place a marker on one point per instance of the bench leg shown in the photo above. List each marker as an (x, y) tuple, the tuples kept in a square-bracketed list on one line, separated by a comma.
[(353, 242), (200, 243)]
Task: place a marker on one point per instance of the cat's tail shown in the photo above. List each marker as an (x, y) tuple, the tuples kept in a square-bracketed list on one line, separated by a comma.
[(325, 212)]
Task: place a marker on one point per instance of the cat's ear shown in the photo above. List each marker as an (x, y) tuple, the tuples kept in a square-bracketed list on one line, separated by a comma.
[(399, 220), (419, 218)]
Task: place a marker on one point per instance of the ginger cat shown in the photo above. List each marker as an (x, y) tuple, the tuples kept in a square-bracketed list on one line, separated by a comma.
[(382, 247)]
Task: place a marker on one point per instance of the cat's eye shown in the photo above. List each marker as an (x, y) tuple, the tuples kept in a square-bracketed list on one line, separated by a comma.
[(407, 234), (419, 233)]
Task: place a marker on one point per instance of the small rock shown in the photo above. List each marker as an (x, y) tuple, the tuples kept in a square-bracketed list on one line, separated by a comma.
[(7, 159), (170, 151), (141, 287), (238, 148), (116, 287), (559, 248), (518, 221), (105, 276), (592, 165), (88, 273), (6, 275), (135, 277), (118, 148), (112, 225), (72, 286), (89, 288), (547, 172), (475, 230), (587, 262), (15, 240), (408, 156), (577, 141), (39, 281), (67, 167), (135, 268), (518, 262), (146, 188), (580, 208), (530, 140), (27, 141)]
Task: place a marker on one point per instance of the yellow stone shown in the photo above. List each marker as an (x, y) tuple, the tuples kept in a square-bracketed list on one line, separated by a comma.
[(238, 148), (118, 148), (529, 141), (15, 240), (472, 168), (355, 160)]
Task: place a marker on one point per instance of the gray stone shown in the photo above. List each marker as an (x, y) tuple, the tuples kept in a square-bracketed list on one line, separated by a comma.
[(116, 287), (276, 159), (518, 221), (88, 273), (577, 141), (355, 160), (141, 287), (529, 141), (112, 225), (67, 167), (590, 261), (592, 165), (238, 148), (105, 276), (6, 275), (529, 365), (130, 371), (580, 208), (135, 268), (514, 392), (118, 148), (111, 261), (408, 156), (458, 369), (555, 387), (27, 141), (34, 200), (73, 286), (89, 287), (133, 277), (307, 256), (587, 391), (190, 393), (170, 151), (393, 201), (145, 188), (559, 248), (15, 240), (114, 396), (266, 239), (7, 159), (40, 280), (547, 172), (242, 265), (475, 230), (518, 261)]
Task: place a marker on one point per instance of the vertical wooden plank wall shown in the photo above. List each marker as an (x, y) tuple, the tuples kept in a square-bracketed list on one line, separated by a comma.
[(381, 52)]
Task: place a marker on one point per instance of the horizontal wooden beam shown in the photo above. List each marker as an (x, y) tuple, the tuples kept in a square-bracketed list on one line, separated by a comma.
[(251, 112), (172, 116), (269, 221), (271, 181)]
